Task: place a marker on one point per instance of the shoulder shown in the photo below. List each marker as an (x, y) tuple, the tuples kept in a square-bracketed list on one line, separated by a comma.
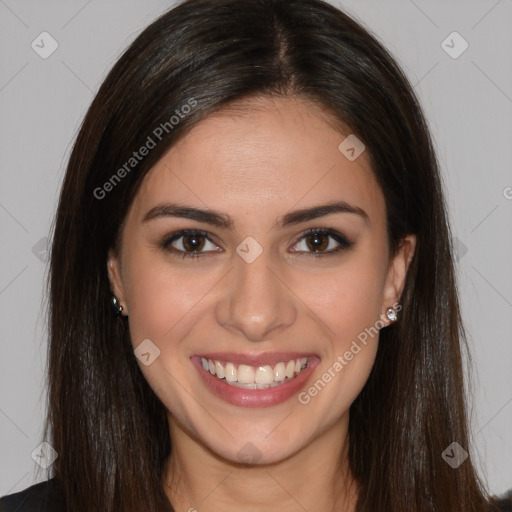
[(46, 497), (503, 502), (41, 497)]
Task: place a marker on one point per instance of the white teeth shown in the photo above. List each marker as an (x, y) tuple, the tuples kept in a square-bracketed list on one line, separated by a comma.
[(230, 373), (245, 374), (279, 372), (290, 369), (260, 377), (219, 370), (264, 375)]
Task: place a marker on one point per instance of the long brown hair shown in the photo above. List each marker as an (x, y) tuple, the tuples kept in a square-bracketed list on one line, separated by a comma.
[(107, 425)]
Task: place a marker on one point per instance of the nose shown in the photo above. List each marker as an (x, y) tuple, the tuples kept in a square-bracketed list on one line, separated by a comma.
[(257, 299)]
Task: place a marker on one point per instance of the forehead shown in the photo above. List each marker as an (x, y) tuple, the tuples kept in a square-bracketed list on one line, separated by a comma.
[(262, 156)]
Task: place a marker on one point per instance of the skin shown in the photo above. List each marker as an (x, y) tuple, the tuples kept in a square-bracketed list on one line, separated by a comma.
[(256, 163)]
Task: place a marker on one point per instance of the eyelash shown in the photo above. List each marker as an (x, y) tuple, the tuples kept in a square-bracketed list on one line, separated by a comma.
[(343, 242)]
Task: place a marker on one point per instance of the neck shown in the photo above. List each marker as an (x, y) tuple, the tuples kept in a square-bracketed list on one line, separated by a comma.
[(315, 478)]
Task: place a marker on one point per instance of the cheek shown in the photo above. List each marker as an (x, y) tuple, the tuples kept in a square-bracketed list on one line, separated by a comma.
[(350, 299), (158, 298), (349, 303), (162, 304)]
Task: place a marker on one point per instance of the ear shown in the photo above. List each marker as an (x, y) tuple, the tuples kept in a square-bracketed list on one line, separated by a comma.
[(397, 271), (116, 279)]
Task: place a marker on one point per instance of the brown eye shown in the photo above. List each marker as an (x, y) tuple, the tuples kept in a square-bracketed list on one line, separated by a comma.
[(189, 243), (193, 242), (322, 242), (317, 242)]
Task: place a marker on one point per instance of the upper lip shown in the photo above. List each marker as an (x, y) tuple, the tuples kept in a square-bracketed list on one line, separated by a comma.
[(265, 358)]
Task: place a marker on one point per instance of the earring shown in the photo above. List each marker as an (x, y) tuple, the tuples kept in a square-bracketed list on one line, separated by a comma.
[(391, 314), (116, 305)]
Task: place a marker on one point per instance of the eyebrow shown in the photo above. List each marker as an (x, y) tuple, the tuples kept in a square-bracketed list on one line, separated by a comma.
[(221, 220)]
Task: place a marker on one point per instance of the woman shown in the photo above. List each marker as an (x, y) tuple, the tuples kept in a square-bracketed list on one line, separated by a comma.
[(252, 291)]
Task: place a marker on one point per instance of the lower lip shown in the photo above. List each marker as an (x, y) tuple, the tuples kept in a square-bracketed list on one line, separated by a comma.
[(255, 397)]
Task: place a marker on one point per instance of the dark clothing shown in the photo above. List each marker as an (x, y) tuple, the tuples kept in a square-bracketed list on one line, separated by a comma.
[(46, 497), (41, 497)]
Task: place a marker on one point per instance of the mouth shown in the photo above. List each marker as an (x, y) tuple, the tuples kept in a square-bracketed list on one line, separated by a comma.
[(255, 377), (249, 380)]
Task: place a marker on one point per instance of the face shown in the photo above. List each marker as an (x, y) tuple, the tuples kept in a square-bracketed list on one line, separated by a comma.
[(280, 281)]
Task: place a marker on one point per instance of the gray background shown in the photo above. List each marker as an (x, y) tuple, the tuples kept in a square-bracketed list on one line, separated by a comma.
[(467, 100)]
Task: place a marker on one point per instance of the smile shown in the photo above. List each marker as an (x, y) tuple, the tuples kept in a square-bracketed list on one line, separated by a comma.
[(255, 377)]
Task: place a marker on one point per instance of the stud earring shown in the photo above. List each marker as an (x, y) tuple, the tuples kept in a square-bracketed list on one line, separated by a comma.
[(116, 305), (391, 314)]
